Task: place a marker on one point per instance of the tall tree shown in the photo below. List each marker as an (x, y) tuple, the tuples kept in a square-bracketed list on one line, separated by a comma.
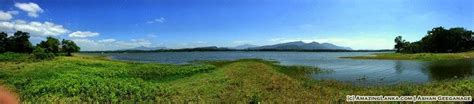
[(3, 42), (69, 47), (460, 39), (51, 44), (439, 40), (452, 40), (20, 42), (435, 40), (400, 44)]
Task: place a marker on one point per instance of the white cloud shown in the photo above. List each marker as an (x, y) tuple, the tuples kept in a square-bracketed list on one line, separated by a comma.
[(85, 42), (157, 20), (31, 8), (140, 42), (5, 16), (83, 34), (34, 28), (106, 40), (110, 44)]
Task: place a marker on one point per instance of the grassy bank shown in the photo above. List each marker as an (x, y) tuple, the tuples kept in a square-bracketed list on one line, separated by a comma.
[(84, 78), (418, 56)]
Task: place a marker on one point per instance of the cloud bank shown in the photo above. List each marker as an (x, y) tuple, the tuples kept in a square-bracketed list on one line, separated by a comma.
[(111, 44), (35, 28), (83, 34), (5, 16), (32, 9)]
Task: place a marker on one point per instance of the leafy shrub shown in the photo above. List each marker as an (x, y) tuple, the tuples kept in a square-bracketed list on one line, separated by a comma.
[(41, 54)]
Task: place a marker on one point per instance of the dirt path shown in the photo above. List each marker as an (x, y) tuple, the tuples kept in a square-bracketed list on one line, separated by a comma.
[(7, 97)]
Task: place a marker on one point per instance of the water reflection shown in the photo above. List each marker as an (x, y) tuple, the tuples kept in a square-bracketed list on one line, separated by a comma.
[(448, 69), (398, 67)]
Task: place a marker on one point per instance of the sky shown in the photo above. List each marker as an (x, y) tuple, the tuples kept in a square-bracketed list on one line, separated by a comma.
[(124, 24)]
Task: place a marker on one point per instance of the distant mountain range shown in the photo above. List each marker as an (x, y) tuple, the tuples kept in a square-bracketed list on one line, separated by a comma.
[(244, 46), (300, 45), (297, 45), (143, 48)]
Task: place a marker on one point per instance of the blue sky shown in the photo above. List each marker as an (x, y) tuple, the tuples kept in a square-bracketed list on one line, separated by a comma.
[(121, 24)]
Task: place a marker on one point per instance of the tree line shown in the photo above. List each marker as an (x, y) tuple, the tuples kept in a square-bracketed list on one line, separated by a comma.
[(20, 43), (438, 40)]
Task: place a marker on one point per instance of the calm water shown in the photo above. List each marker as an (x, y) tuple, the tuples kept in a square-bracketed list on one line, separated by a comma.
[(358, 72)]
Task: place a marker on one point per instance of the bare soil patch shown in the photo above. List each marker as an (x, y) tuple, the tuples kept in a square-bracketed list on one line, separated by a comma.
[(7, 97)]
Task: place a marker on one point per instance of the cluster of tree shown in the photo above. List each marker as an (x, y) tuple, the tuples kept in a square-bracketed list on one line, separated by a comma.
[(20, 43), (439, 40)]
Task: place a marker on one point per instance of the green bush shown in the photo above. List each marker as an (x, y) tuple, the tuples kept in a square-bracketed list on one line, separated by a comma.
[(10, 56), (41, 54)]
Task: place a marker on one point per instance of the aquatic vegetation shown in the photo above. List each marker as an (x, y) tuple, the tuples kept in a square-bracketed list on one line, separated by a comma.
[(97, 79), (85, 79)]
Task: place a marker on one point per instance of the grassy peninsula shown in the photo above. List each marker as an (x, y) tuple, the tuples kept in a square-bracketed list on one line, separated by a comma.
[(98, 79), (418, 56)]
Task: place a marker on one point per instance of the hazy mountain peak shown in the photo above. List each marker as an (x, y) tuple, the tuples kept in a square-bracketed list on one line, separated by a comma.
[(244, 46), (300, 45), (313, 42), (143, 48), (299, 41), (292, 43)]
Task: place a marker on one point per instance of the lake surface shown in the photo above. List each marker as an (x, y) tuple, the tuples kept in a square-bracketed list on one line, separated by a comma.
[(355, 71)]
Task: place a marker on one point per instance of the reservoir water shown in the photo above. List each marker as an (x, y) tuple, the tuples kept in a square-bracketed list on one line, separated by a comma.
[(355, 71)]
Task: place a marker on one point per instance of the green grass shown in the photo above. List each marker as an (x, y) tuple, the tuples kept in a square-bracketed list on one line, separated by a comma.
[(91, 79), (418, 56), (14, 57), (85, 78)]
